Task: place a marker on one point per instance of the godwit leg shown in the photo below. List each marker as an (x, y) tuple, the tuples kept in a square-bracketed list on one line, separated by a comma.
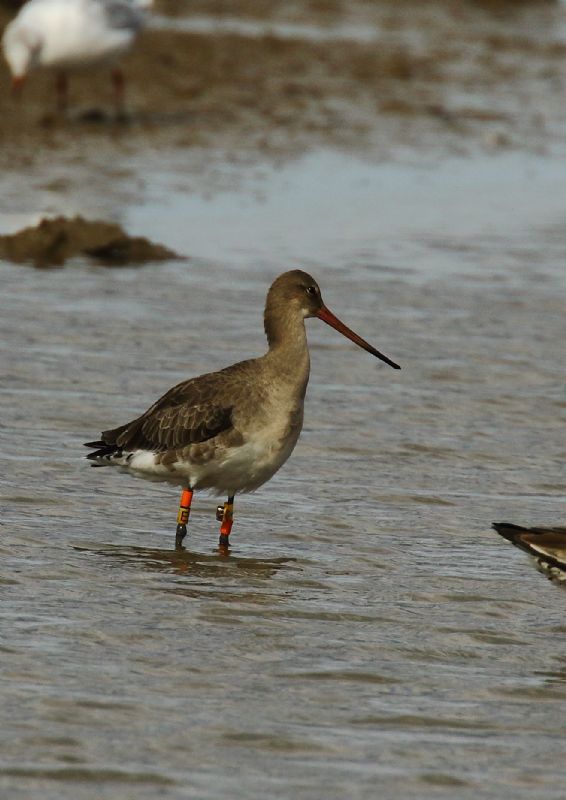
[(225, 515), (183, 515), (118, 82), (61, 84)]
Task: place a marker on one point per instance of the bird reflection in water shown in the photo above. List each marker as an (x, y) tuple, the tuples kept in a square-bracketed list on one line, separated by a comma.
[(186, 562)]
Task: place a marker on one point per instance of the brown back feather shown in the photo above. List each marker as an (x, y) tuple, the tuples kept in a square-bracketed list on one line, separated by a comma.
[(191, 412)]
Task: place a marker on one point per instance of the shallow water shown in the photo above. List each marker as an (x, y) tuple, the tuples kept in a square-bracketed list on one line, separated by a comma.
[(368, 633)]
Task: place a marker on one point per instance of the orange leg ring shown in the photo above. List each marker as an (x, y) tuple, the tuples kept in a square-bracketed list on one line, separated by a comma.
[(183, 515), (226, 517), (185, 506)]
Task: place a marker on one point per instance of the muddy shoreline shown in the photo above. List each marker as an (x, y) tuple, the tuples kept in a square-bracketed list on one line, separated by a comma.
[(434, 77)]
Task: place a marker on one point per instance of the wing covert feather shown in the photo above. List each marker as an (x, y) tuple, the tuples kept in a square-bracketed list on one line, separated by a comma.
[(189, 413), (178, 426)]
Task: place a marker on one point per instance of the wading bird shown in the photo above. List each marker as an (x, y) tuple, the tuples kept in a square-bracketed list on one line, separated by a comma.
[(72, 35), (546, 545), (230, 431)]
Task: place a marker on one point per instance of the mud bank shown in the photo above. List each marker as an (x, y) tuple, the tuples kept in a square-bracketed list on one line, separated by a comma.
[(432, 76), (54, 241)]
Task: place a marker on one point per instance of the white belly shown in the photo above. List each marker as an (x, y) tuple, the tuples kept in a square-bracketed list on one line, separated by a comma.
[(246, 468), (243, 468)]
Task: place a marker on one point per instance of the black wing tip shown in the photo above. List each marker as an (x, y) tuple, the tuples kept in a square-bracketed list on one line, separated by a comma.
[(103, 451), (510, 531), (99, 443), (499, 526)]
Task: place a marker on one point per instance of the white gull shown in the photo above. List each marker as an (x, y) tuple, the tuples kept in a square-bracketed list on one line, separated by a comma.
[(70, 35)]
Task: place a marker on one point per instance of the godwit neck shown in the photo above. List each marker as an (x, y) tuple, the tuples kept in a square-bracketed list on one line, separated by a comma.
[(286, 308)]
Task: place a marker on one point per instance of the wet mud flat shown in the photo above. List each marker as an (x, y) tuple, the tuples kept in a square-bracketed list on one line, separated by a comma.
[(283, 78)]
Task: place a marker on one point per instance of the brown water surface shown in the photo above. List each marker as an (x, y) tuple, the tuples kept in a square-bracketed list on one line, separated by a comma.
[(368, 634)]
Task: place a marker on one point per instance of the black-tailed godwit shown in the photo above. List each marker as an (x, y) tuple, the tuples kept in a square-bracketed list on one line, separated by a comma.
[(230, 431)]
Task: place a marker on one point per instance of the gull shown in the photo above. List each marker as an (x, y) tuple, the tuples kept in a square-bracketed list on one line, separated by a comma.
[(72, 35)]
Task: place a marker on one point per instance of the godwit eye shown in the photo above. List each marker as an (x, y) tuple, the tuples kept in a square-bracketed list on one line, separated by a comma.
[(312, 290)]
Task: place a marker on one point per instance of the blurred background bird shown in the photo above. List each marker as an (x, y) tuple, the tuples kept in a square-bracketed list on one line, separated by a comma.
[(546, 545), (71, 35)]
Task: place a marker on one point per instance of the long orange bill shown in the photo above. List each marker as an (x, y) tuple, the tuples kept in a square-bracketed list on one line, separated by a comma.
[(327, 316)]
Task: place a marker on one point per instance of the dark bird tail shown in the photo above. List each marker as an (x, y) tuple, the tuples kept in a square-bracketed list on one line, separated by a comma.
[(508, 530), (103, 452)]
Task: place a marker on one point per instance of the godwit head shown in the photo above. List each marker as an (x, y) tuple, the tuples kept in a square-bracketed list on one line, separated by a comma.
[(296, 295)]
